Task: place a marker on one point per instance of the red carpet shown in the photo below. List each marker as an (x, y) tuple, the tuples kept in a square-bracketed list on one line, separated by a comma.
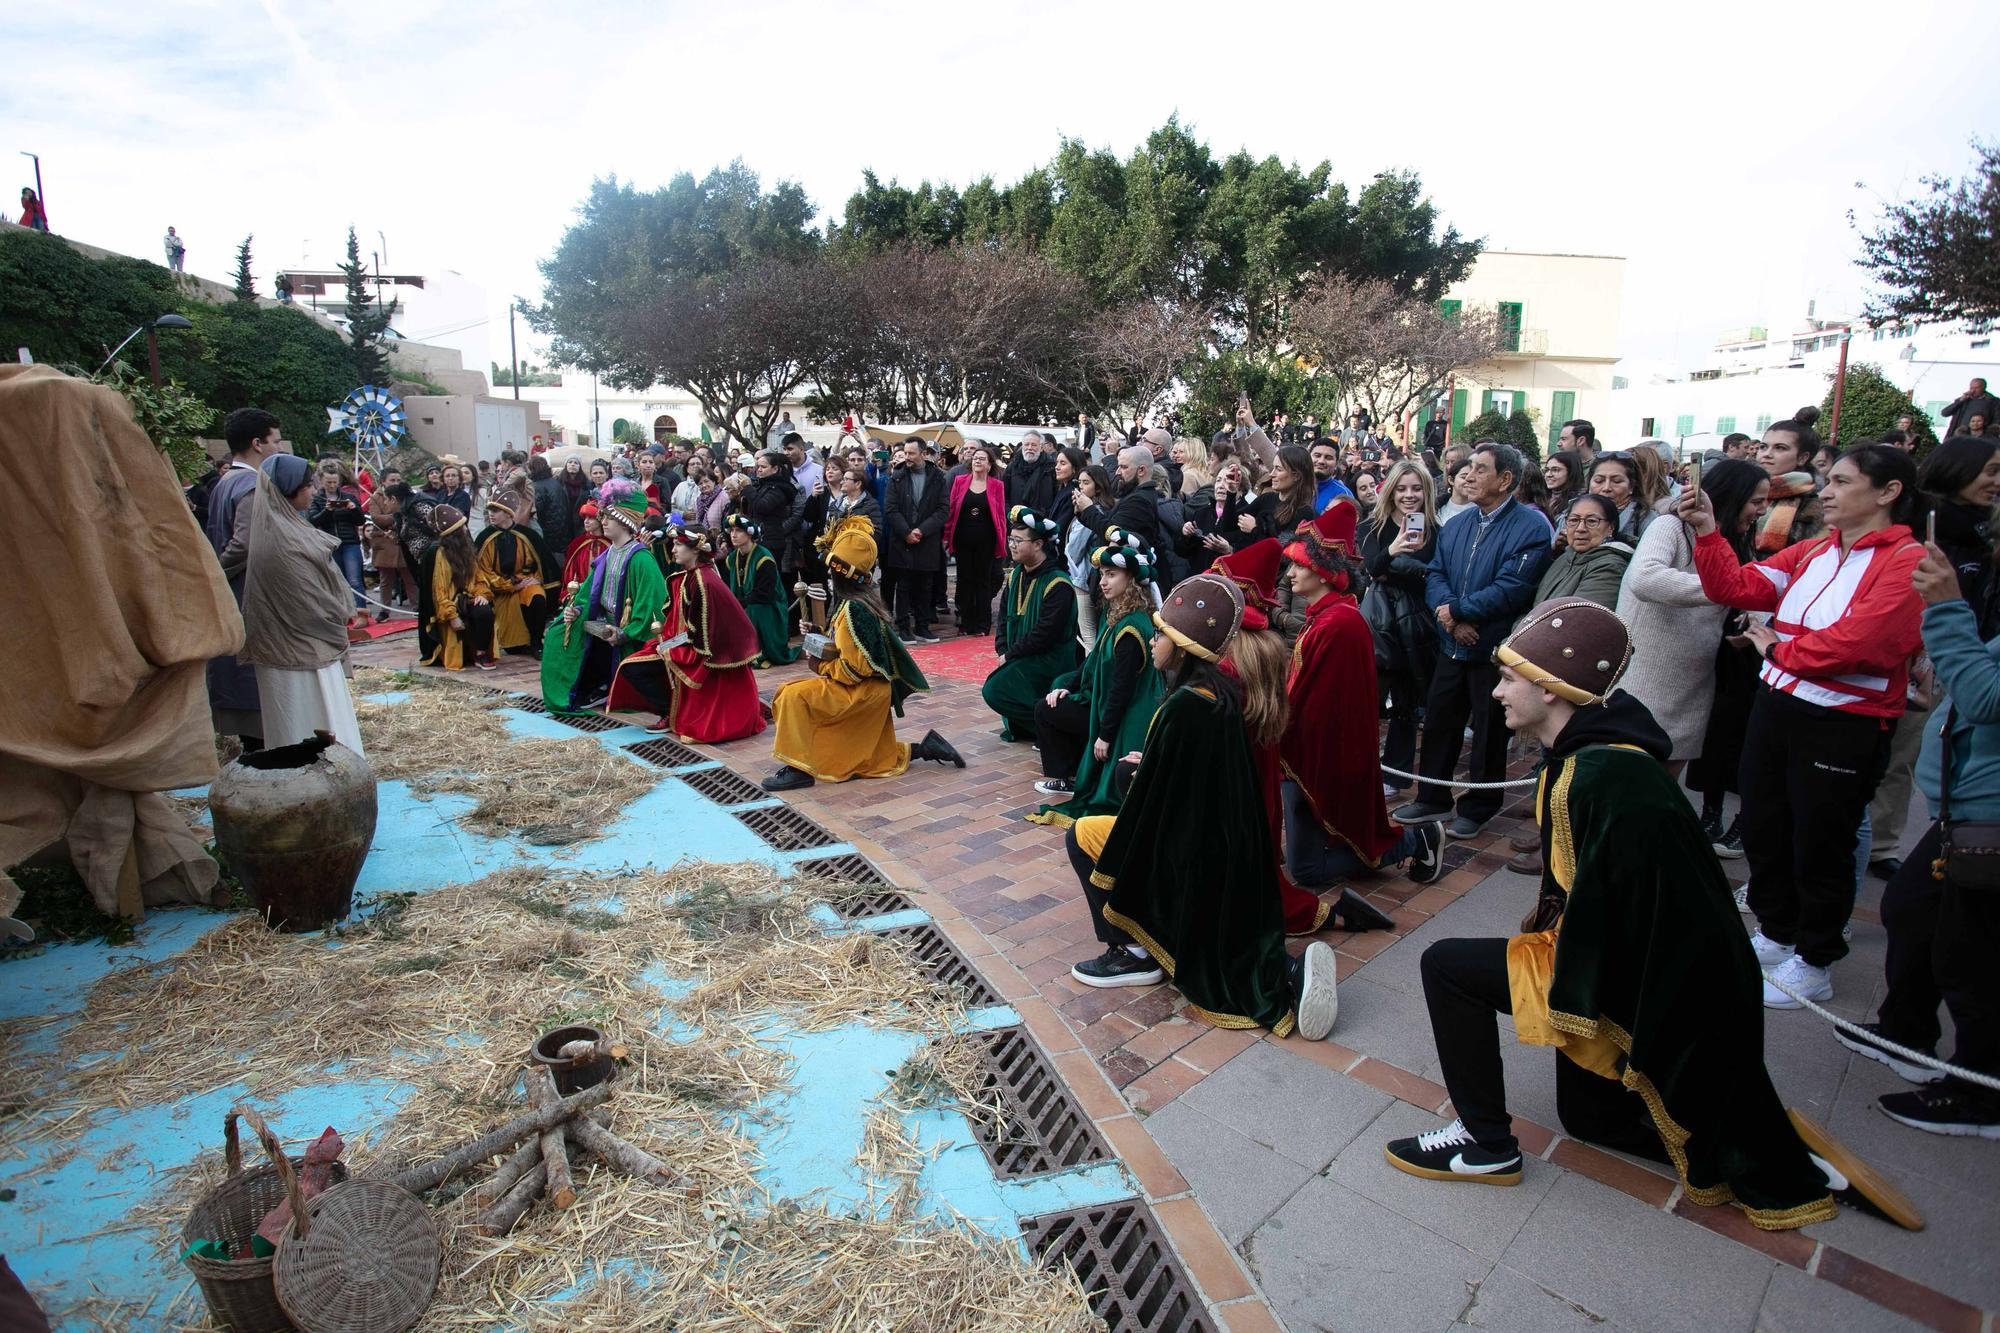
[(380, 631), (969, 660)]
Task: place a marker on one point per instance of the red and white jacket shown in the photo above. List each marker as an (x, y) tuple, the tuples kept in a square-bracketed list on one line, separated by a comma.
[(1847, 625)]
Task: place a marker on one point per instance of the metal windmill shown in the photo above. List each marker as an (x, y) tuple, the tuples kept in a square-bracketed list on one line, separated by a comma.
[(373, 420)]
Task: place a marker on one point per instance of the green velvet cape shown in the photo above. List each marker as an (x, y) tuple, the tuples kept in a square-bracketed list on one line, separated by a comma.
[(884, 649), (1017, 685), (1091, 684), (1190, 867), (645, 596), (1651, 954), (743, 571)]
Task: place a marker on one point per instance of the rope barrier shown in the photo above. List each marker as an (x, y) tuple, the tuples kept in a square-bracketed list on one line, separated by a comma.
[(1914, 1057), (1461, 786)]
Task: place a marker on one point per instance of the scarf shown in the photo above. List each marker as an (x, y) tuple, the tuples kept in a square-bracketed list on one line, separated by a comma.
[(295, 603)]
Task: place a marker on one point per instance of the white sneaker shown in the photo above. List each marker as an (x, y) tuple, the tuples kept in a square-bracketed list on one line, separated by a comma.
[(1742, 897), (1770, 953), (1810, 983)]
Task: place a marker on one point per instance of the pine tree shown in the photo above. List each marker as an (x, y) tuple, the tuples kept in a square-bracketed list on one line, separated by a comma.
[(1869, 407), (366, 318), (246, 286)]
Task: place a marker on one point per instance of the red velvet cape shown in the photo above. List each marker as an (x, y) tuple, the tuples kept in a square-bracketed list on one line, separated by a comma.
[(1330, 744)]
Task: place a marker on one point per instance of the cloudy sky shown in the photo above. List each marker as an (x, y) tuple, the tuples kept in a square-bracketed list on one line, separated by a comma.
[(1717, 146)]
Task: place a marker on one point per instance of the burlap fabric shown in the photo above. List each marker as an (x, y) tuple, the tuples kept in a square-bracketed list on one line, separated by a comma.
[(114, 606)]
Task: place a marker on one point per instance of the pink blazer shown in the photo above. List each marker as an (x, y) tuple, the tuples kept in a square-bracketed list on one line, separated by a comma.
[(996, 496)]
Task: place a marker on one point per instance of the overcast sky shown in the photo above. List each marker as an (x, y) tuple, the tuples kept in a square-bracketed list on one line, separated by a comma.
[(1716, 146)]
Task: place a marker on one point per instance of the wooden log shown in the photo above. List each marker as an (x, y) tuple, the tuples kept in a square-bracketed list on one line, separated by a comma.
[(430, 1175), (586, 1050), (501, 1217), (509, 1172), (555, 1158), (619, 1155)]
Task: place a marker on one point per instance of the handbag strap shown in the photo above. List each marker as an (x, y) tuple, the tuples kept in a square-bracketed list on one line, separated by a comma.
[(1944, 771)]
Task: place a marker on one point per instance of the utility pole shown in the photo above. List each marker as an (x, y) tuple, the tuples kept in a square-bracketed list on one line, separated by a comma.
[(1839, 388), (513, 356)]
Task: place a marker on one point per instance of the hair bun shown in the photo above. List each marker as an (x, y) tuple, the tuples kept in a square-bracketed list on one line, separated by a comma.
[(1807, 416)]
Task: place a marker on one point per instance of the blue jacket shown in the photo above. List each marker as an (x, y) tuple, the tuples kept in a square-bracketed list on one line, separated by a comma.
[(1969, 671), (1487, 574)]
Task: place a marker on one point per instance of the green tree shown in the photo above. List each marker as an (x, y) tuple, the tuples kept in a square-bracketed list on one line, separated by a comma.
[(172, 418), (1522, 435), (67, 308), (246, 286), (367, 318), (1938, 256), (1869, 406), (1488, 425), (279, 358)]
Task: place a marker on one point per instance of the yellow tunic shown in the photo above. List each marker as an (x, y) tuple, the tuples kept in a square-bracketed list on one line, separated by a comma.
[(510, 627), (450, 653), (836, 725)]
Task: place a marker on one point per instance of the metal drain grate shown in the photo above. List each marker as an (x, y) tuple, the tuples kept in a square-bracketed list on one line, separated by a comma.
[(947, 966), (665, 752), (591, 722), (785, 828), (861, 906), (526, 703), (1040, 1128), (722, 786), (1119, 1254)]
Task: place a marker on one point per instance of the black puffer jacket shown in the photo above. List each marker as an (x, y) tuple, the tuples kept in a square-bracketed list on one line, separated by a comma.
[(343, 522), (767, 501), (553, 512)]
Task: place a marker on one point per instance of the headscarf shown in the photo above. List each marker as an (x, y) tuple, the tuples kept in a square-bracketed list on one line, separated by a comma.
[(295, 602)]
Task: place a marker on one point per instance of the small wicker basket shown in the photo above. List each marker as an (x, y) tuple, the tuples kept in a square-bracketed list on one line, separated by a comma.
[(238, 1291)]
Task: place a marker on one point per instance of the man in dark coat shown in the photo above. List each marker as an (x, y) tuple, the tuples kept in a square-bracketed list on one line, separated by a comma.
[(1031, 480), (915, 549), (252, 435), (1138, 507), (1974, 402)]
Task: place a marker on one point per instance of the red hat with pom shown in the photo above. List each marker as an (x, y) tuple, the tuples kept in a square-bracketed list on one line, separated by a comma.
[(1254, 569), (1327, 542)]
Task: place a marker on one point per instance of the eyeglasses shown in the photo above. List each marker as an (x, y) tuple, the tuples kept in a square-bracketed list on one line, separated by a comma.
[(1587, 521)]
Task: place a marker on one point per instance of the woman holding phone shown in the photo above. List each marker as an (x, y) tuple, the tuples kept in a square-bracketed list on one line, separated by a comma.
[(1397, 542), (1213, 525)]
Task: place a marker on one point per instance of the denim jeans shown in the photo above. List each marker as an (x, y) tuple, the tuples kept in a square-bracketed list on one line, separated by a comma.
[(350, 567), (1317, 860)]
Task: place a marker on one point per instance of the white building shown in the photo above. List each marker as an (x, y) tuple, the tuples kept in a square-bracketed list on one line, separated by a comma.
[(1751, 378)]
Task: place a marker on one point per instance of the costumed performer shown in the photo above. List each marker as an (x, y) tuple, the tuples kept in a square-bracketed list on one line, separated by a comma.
[(1633, 965), (836, 723), (696, 671), (1261, 655), (1037, 635), (1171, 894), (751, 572), (585, 547), (295, 610), (608, 613), (1336, 822), (1100, 712), (516, 564), (461, 598)]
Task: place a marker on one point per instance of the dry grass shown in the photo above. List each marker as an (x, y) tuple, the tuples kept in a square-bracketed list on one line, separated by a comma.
[(447, 737), (444, 992)]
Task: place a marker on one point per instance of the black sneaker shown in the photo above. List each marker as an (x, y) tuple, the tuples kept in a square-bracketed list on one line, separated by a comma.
[(1730, 845), (1711, 825), (1426, 864), (1056, 787), (1117, 966), (1315, 991), (1452, 1153), (1909, 1070), (1950, 1108)]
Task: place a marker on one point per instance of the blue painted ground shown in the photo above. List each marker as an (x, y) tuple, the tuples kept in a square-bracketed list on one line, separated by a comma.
[(67, 1231)]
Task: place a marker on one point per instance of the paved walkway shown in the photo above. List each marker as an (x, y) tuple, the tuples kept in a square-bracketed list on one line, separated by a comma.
[(1263, 1157)]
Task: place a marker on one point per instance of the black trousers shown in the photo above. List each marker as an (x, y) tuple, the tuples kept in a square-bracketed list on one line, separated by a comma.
[(1807, 776), (1079, 861), (536, 614), (1399, 697), (1465, 986), (1462, 691), (1941, 942), (1062, 729), (916, 595), (478, 632), (650, 679)]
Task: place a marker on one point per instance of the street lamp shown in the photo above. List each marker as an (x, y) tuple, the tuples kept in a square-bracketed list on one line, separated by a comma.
[(40, 197), (152, 342)]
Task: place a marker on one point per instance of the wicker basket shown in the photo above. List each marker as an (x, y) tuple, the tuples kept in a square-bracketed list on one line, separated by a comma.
[(367, 1261), (238, 1291)]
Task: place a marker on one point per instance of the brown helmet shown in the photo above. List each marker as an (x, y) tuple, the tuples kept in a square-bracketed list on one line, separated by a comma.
[(1571, 647), (1202, 615)]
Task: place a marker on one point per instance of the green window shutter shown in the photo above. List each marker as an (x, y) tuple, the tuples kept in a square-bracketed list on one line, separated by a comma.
[(1458, 397), (1520, 403), (1645, 425), (1450, 309), (1763, 423), (1684, 425), (1510, 325), (1724, 425), (1423, 420), (1562, 407)]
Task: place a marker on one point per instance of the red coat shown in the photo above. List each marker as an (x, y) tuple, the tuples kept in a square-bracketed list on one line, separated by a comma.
[(1329, 747), (996, 504)]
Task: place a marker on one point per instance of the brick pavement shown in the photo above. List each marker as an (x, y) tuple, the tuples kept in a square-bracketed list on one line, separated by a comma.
[(1003, 891)]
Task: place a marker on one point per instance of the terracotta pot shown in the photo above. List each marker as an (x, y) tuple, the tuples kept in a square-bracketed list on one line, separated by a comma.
[(295, 824)]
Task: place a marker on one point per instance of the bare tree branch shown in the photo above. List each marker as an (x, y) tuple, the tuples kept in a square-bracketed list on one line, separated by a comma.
[(1387, 352)]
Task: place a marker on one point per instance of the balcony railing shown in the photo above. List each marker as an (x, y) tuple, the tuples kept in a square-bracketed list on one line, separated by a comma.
[(1532, 342)]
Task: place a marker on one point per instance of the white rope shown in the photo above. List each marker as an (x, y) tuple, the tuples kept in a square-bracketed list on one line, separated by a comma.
[(1914, 1057), (1461, 786)]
